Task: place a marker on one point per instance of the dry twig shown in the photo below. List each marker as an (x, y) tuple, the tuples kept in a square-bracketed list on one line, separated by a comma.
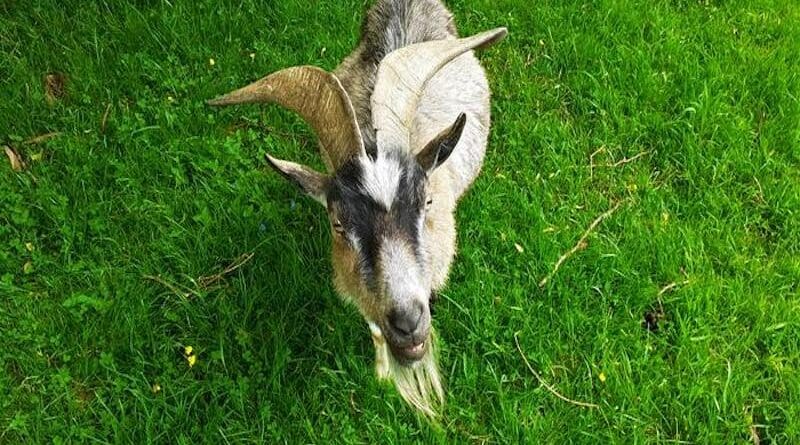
[(627, 160), (186, 293), (104, 120), (42, 138), (591, 160), (623, 161), (581, 244), (206, 281), (544, 383), (670, 286)]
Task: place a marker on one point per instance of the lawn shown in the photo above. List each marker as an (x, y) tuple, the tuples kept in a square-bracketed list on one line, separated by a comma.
[(678, 315)]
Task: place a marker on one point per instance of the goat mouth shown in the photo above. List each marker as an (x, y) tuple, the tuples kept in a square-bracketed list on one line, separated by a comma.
[(411, 353)]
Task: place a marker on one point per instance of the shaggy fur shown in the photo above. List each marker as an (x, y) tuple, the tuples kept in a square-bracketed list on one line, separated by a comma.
[(391, 207), (419, 384), (460, 86)]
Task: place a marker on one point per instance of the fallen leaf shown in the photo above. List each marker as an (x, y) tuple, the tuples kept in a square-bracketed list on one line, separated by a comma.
[(27, 268), (16, 162), (29, 246), (36, 157), (211, 62), (55, 86), (519, 248)]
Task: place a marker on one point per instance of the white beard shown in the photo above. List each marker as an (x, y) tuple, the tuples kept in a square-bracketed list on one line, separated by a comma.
[(419, 384)]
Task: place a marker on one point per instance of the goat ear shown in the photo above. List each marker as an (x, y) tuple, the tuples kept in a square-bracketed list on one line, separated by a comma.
[(313, 183), (439, 149)]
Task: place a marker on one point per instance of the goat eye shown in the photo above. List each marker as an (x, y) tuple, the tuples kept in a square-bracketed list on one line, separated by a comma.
[(429, 202)]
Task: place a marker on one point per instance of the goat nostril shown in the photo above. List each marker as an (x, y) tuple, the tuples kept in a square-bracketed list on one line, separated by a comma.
[(405, 321), (400, 322)]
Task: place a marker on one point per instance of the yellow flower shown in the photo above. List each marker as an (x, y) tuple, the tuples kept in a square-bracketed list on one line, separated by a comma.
[(602, 377), (188, 350), (192, 359), (211, 62)]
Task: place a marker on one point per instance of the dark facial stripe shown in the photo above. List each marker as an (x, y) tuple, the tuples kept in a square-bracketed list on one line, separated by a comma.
[(369, 221), (359, 215)]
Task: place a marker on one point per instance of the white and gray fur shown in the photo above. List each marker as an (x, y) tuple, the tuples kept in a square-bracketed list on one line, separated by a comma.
[(460, 86), (391, 200)]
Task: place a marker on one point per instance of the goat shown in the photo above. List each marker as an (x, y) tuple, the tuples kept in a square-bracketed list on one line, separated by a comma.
[(402, 125)]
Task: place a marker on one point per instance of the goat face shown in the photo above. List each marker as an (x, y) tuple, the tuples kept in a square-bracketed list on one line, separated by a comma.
[(377, 212), (377, 205)]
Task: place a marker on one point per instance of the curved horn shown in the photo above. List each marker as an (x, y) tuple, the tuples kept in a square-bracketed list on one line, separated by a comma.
[(318, 97), (402, 76)]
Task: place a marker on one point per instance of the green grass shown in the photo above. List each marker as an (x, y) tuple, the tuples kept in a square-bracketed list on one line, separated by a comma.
[(710, 90)]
